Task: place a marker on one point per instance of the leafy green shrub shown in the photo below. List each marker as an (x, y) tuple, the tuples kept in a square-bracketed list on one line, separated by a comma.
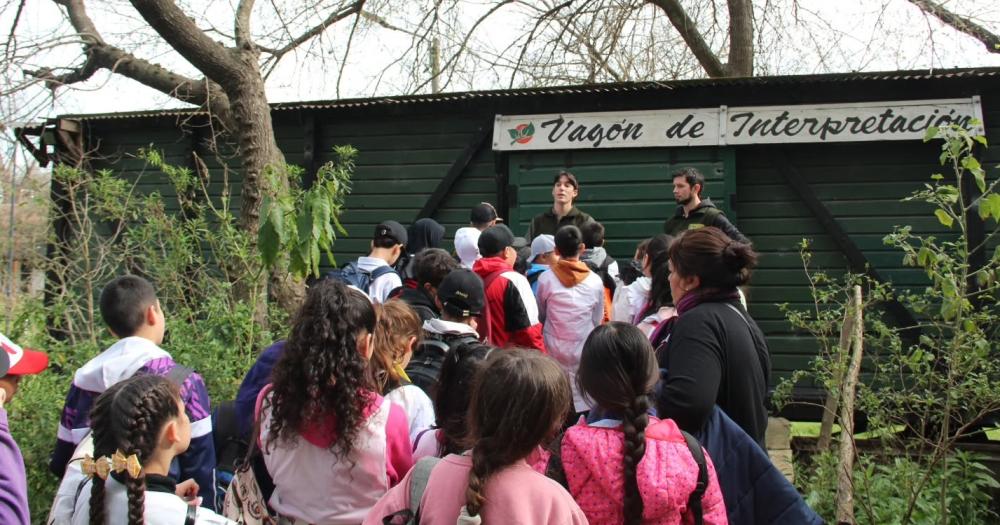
[(196, 259), (884, 489)]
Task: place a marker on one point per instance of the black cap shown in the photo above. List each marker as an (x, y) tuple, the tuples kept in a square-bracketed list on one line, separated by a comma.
[(392, 230), (483, 213), (494, 239), (520, 242), (461, 293)]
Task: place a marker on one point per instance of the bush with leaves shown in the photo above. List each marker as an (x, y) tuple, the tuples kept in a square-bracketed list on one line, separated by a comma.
[(194, 258), (931, 384)]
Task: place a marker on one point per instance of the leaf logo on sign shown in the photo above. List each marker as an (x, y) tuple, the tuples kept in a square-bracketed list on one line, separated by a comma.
[(522, 134)]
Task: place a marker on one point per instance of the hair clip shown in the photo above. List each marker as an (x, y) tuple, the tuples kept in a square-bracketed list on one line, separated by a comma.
[(103, 466), (100, 467), (130, 464)]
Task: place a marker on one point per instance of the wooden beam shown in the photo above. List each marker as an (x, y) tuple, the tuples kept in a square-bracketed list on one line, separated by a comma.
[(857, 260), (481, 137)]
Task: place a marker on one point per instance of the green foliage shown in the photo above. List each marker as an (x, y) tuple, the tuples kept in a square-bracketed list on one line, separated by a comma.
[(884, 488), (195, 259), (936, 380), (302, 223)]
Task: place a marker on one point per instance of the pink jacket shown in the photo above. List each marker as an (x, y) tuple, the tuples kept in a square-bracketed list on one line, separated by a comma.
[(592, 458), (516, 495)]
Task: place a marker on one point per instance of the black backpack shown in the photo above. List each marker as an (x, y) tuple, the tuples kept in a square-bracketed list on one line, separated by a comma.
[(428, 358), (353, 275), (602, 272)]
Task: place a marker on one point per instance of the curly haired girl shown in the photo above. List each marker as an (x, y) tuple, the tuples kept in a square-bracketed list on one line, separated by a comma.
[(143, 416), (626, 467), (330, 442)]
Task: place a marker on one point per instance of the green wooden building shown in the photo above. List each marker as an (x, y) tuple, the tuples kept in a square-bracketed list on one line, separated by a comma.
[(833, 176)]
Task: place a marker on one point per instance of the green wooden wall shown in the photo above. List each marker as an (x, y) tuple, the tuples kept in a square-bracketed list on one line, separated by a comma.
[(628, 191), (406, 151)]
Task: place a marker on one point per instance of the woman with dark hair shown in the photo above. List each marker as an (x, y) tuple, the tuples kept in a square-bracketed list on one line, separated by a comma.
[(565, 190), (330, 442), (519, 401), (714, 353)]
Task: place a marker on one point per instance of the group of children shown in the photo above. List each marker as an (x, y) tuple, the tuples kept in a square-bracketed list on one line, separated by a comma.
[(412, 387)]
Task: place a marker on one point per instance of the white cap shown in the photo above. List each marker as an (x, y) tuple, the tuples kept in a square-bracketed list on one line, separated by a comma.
[(544, 243), (467, 245)]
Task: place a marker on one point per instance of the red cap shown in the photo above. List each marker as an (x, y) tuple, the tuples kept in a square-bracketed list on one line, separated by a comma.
[(22, 360)]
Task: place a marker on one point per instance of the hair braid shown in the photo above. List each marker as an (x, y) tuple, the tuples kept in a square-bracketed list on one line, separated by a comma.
[(97, 501), (478, 475), (129, 417), (634, 427)]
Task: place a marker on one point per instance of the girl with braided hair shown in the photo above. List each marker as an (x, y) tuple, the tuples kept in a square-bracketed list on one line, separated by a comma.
[(330, 442), (519, 401), (626, 467), (141, 416)]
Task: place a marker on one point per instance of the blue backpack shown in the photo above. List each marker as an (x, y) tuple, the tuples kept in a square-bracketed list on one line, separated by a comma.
[(353, 275)]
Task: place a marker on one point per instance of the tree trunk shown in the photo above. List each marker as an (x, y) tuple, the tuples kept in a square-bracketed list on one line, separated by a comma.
[(832, 404), (740, 39), (845, 480), (259, 151)]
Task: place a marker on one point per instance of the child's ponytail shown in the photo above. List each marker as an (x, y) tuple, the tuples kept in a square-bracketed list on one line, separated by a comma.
[(519, 400), (617, 371), (128, 418)]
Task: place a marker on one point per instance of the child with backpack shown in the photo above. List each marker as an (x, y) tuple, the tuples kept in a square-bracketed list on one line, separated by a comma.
[(139, 426), (330, 442), (625, 467), (133, 314), (519, 401), (429, 268), (600, 262), (396, 334), (374, 274), (451, 402), (460, 298)]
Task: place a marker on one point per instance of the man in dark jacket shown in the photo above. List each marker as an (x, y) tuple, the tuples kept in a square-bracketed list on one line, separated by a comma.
[(695, 212)]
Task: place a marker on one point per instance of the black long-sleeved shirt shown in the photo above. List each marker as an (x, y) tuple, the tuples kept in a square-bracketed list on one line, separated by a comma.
[(716, 355)]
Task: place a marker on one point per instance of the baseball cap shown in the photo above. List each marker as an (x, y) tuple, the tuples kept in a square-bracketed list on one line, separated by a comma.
[(483, 213), (461, 293), (391, 229), (467, 246), (544, 243), (494, 239), (22, 361)]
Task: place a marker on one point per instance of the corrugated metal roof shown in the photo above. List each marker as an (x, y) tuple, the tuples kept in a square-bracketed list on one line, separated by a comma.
[(625, 87)]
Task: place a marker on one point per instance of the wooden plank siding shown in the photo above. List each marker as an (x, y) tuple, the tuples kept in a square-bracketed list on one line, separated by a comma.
[(405, 149)]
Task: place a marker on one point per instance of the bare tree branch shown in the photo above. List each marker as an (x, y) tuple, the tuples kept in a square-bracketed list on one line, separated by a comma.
[(334, 17), (242, 27), (695, 41), (180, 31), (741, 46), (960, 23), (101, 55)]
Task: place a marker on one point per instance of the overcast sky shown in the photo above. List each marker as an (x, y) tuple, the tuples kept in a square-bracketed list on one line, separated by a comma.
[(820, 36)]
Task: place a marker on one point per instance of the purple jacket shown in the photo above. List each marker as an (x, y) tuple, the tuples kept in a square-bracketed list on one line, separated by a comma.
[(13, 483)]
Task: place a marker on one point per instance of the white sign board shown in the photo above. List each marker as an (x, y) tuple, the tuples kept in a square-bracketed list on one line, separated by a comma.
[(901, 120)]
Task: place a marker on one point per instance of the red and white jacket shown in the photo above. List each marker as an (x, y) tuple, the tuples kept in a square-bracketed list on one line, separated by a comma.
[(513, 314)]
